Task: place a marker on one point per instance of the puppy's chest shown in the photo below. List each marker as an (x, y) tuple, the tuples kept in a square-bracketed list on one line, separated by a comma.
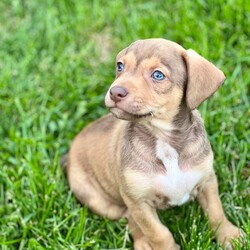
[(177, 185), (172, 187)]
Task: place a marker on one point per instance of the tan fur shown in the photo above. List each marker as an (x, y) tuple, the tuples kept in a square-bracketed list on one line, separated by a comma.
[(156, 153)]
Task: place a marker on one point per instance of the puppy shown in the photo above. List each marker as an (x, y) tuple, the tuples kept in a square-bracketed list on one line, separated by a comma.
[(152, 152)]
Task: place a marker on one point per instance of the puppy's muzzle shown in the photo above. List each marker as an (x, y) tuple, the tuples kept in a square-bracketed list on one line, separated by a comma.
[(118, 93)]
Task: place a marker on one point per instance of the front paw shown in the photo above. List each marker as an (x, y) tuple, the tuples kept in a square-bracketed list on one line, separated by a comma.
[(169, 246), (142, 244), (227, 233), (176, 247)]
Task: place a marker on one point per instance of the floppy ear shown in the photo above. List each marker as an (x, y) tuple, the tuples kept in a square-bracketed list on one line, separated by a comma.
[(203, 79)]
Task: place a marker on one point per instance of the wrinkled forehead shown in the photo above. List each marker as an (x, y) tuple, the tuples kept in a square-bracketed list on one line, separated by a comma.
[(168, 53)]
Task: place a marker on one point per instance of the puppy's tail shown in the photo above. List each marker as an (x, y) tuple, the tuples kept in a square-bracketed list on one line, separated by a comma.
[(64, 161)]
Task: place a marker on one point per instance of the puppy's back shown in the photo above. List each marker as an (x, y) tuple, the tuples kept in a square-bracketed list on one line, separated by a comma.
[(96, 152)]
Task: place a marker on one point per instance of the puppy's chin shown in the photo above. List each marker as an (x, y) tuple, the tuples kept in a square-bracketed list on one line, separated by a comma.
[(120, 114), (123, 115)]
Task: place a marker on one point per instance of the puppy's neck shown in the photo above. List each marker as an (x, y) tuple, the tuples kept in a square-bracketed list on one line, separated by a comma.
[(177, 123), (185, 132)]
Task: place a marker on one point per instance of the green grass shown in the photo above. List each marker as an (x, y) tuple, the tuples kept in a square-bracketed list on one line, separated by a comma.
[(56, 63)]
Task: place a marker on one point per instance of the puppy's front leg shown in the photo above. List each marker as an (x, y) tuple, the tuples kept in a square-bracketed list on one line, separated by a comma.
[(140, 241), (149, 225), (210, 201)]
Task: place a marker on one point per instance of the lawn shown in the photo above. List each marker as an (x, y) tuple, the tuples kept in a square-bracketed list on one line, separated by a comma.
[(56, 63)]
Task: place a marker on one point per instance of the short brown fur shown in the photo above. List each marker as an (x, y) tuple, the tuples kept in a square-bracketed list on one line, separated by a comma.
[(116, 166)]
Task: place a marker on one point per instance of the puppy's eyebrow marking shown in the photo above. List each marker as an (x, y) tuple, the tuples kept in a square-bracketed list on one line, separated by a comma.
[(126, 52), (140, 53), (165, 63), (128, 48)]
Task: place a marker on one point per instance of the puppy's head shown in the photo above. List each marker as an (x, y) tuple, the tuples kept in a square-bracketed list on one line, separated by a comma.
[(155, 76)]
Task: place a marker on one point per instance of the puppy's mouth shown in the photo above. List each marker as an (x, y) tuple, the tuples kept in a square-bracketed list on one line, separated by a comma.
[(124, 115)]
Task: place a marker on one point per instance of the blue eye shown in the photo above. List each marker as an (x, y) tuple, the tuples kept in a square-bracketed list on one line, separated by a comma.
[(158, 75), (120, 67)]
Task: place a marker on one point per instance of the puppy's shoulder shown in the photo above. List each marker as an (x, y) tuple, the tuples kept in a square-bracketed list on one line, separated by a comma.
[(104, 124)]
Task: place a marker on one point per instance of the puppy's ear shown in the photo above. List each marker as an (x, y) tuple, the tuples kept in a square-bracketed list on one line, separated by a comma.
[(203, 78)]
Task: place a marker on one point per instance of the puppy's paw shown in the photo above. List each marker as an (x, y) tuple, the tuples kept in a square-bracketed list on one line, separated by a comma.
[(169, 246), (142, 244), (175, 247), (227, 233)]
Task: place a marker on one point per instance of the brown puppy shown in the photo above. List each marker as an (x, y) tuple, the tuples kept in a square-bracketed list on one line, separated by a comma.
[(156, 154)]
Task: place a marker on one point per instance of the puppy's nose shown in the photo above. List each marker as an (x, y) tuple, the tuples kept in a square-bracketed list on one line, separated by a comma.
[(117, 93)]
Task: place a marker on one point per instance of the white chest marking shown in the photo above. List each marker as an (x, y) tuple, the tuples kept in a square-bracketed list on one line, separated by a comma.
[(176, 184)]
